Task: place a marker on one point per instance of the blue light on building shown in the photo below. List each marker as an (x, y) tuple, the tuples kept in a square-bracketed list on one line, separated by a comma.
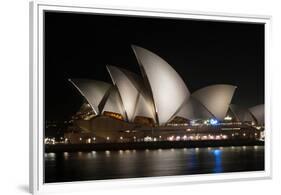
[(214, 121)]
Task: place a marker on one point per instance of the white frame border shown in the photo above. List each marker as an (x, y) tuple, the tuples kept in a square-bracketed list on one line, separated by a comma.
[(36, 184)]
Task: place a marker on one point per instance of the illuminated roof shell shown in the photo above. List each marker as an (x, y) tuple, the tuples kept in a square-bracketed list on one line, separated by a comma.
[(93, 91), (215, 98), (192, 109), (163, 82), (113, 103), (132, 92), (241, 114), (258, 112)]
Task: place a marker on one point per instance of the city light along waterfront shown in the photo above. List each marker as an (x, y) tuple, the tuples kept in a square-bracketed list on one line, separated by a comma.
[(117, 164)]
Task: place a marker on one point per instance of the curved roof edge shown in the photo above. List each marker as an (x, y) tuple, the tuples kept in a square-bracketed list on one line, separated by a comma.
[(92, 90), (241, 114), (134, 96), (216, 98), (192, 109), (258, 112), (159, 73), (113, 103)]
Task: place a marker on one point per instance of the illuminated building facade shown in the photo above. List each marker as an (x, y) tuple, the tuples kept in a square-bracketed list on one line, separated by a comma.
[(141, 108)]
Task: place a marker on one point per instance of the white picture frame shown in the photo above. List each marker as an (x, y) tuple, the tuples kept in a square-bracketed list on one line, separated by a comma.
[(36, 98)]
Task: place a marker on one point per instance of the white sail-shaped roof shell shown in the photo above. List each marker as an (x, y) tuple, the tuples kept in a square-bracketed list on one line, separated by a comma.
[(192, 109), (144, 107), (258, 112), (113, 103), (93, 91), (215, 98), (132, 92), (168, 89), (240, 113)]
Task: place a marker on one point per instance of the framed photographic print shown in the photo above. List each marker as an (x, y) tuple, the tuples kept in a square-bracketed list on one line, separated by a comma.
[(125, 97)]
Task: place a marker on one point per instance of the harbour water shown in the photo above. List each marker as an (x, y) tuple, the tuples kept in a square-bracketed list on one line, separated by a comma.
[(97, 165)]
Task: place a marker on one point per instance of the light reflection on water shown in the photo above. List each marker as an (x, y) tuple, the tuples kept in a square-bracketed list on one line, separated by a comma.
[(93, 165), (217, 155)]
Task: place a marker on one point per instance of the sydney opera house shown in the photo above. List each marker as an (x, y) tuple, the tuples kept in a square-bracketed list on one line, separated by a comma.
[(158, 106)]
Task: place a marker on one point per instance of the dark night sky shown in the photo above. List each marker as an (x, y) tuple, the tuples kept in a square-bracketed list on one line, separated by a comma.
[(202, 52)]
